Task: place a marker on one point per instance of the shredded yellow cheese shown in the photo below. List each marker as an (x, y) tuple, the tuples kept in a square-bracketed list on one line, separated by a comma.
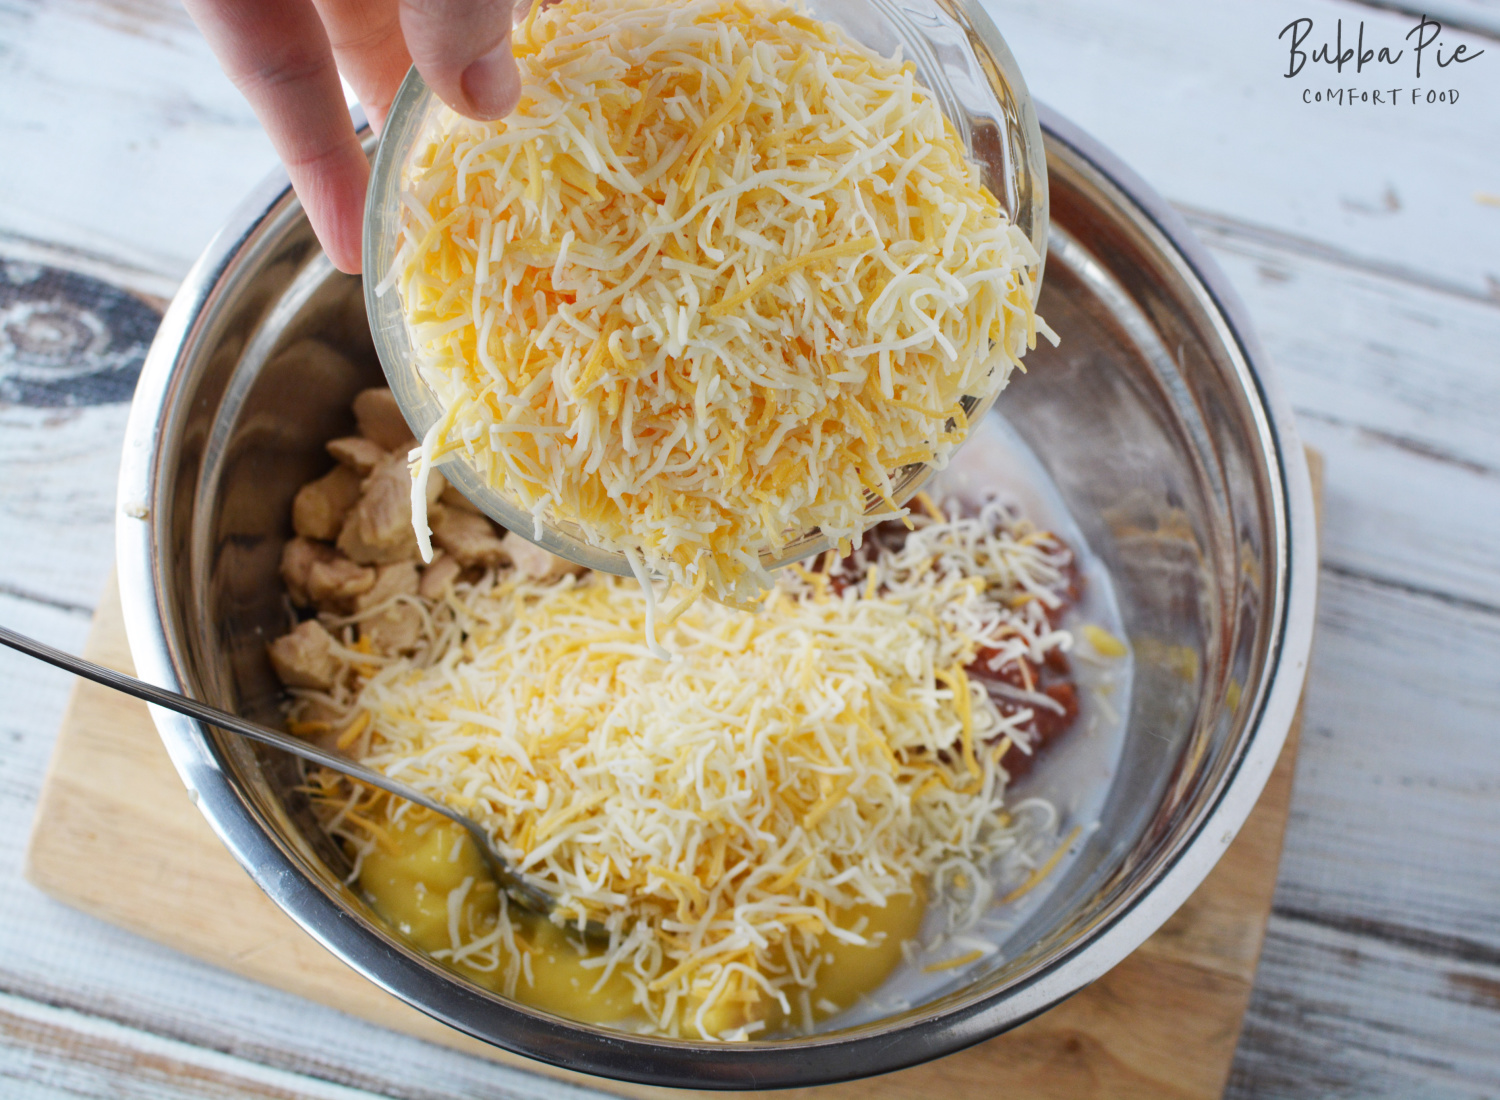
[(1104, 643), (714, 810), (721, 273), (954, 963)]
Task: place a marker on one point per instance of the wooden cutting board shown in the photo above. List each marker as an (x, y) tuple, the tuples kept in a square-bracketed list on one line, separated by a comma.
[(116, 836)]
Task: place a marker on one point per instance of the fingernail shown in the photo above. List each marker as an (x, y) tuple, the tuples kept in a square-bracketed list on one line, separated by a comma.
[(493, 83)]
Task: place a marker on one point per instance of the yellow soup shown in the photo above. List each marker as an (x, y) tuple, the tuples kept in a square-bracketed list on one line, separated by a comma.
[(428, 879)]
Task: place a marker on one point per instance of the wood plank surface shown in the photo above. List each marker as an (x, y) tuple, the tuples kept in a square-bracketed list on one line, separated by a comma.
[(68, 1052), (1396, 382), (126, 148), (1332, 1034), (1192, 96), (116, 836), (1189, 94), (1481, 16)]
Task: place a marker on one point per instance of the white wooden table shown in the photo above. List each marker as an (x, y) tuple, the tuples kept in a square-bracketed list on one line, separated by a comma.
[(1366, 241)]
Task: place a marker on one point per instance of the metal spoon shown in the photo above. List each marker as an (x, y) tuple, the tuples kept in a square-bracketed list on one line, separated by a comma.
[(525, 893)]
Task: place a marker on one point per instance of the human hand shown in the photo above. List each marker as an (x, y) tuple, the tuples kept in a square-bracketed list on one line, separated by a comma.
[(286, 56)]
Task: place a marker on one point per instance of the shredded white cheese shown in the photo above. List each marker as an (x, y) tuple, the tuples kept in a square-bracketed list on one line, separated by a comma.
[(721, 273), (717, 811)]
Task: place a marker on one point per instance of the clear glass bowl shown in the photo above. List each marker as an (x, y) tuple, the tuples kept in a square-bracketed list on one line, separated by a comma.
[(961, 59)]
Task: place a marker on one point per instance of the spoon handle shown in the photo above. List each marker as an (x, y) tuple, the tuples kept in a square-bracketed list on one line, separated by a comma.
[(171, 700), (523, 891)]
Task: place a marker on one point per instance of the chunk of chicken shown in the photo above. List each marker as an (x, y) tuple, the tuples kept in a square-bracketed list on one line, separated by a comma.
[(394, 631), (396, 579), (399, 625), (332, 585), (320, 506), (298, 557), (470, 538), (304, 658), (318, 722), (532, 561), (358, 453), (377, 529), (439, 576), (380, 420)]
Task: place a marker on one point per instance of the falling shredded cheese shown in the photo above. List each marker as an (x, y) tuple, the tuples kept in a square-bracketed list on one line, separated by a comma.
[(719, 276), (716, 811)]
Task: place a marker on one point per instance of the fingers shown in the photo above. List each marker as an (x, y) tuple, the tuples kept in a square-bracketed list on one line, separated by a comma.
[(278, 55), (370, 49), (462, 49)]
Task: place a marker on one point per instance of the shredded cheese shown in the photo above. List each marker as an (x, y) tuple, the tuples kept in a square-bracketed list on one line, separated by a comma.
[(717, 811), (1104, 643), (719, 276)]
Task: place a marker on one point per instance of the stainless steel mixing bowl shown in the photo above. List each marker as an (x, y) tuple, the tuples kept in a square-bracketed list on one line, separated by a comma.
[(1156, 418)]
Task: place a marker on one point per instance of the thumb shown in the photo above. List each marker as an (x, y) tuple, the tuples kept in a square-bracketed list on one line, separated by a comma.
[(462, 50)]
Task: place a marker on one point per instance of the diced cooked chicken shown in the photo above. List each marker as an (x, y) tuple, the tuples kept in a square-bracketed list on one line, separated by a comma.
[(378, 527), (319, 722), (320, 506), (394, 630), (364, 506), (397, 579), (304, 658), (398, 626), (532, 561), (439, 576), (332, 585), (298, 557), (380, 420), (452, 498), (470, 538), (356, 452)]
